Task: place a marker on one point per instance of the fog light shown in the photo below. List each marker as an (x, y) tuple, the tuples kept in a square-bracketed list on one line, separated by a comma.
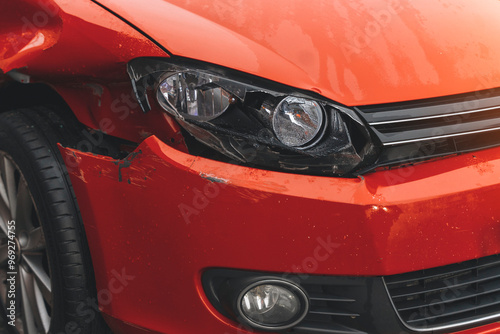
[(272, 304), (298, 122)]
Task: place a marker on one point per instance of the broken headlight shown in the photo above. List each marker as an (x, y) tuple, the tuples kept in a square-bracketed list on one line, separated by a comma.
[(253, 121)]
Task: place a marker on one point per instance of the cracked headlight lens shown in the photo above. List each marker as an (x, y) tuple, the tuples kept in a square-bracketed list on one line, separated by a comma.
[(297, 121)]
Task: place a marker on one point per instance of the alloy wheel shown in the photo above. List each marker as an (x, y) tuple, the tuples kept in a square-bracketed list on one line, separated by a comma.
[(25, 279)]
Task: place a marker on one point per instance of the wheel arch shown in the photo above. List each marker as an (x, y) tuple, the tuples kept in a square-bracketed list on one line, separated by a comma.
[(15, 95)]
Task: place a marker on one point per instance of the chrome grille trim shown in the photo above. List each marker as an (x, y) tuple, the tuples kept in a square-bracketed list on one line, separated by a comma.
[(419, 130), (439, 137), (404, 120)]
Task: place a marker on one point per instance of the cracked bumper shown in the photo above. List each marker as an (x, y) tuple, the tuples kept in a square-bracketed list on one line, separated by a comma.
[(163, 216)]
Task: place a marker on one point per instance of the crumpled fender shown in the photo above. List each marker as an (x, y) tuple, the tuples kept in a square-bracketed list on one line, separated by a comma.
[(81, 50)]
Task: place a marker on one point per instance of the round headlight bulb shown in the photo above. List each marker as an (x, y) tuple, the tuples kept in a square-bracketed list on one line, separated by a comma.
[(298, 122), (272, 305)]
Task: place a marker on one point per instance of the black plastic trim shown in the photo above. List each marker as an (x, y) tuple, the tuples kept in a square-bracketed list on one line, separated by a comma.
[(448, 298), (338, 305)]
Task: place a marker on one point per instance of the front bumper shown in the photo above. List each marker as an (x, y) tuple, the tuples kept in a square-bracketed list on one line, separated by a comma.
[(156, 220)]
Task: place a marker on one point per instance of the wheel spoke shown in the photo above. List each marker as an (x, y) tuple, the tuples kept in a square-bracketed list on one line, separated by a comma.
[(27, 296), (24, 207), (3, 254), (42, 309), (36, 241), (10, 182), (3, 187), (33, 278), (5, 215), (34, 262)]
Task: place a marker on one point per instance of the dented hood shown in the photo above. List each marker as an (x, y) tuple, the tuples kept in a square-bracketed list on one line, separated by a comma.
[(354, 52)]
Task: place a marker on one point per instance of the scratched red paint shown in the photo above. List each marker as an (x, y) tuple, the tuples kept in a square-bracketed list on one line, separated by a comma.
[(380, 233)]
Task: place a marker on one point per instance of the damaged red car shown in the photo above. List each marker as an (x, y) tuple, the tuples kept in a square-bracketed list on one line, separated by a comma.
[(285, 166)]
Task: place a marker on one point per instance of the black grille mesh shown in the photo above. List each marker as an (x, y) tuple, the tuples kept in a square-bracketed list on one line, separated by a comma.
[(448, 296), (333, 308)]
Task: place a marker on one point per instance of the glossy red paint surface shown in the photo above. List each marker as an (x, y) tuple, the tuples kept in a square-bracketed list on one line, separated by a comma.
[(354, 52), (489, 329), (168, 215), (173, 215)]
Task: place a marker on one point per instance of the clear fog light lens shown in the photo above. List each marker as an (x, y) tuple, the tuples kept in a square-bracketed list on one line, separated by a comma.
[(273, 306), (194, 95), (297, 121)]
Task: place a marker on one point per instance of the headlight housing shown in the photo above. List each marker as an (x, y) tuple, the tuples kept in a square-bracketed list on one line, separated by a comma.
[(252, 121)]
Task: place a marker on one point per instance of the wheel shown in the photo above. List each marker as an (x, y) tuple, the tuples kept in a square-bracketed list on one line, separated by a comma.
[(46, 275)]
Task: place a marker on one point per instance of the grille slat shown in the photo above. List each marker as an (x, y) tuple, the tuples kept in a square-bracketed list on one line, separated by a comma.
[(419, 130), (399, 136), (329, 298), (458, 309), (436, 272), (416, 117), (432, 107), (314, 328), (417, 304), (447, 296), (439, 285), (336, 305), (331, 311)]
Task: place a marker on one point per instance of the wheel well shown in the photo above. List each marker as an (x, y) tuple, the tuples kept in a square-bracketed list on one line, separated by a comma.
[(15, 95)]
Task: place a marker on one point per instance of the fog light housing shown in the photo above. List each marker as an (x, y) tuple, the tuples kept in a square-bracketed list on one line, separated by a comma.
[(272, 304)]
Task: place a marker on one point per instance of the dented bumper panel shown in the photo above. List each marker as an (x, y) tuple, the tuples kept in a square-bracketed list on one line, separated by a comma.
[(164, 216)]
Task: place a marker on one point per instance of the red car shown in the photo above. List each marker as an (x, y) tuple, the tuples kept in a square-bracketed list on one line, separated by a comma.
[(219, 167)]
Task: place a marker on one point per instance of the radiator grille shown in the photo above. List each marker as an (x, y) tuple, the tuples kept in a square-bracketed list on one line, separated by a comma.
[(418, 130), (449, 296)]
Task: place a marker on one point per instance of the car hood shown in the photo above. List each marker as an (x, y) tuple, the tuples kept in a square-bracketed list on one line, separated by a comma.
[(354, 52)]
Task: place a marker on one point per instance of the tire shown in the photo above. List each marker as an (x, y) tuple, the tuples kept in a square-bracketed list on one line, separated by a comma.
[(54, 276)]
